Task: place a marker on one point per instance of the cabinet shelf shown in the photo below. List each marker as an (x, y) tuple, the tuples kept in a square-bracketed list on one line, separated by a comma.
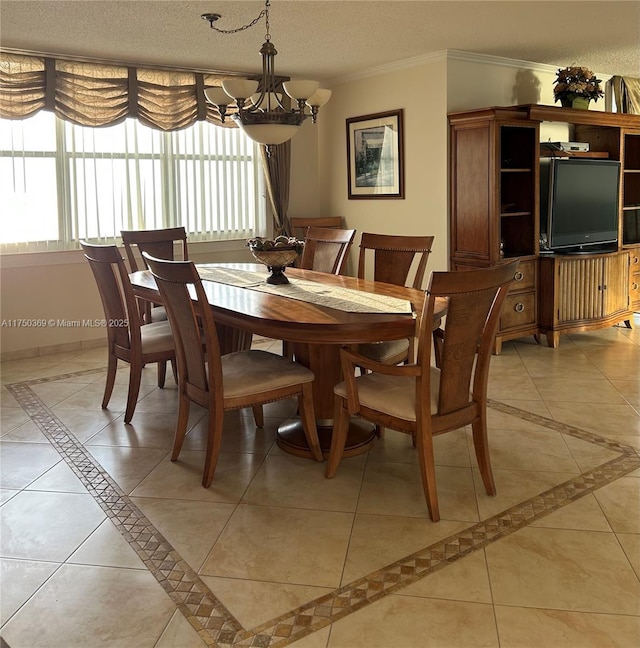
[(495, 215)]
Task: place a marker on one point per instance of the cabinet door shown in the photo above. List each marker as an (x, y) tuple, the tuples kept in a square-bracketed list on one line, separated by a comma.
[(615, 280), (580, 289)]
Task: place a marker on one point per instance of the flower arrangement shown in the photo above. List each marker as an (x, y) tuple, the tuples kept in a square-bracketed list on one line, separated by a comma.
[(574, 83)]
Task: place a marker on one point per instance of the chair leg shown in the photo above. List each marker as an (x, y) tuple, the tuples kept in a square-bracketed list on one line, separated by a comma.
[(135, 375), (214, 441), (339, 436), (162, 373), (428, 472), (112, 367), (174, 369), (481, 447), (305, 405), (287, 350), (258, 415), (184, 405), (438, 344)]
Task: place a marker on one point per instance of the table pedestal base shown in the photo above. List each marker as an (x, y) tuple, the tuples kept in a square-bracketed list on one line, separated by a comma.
[(291, 439)]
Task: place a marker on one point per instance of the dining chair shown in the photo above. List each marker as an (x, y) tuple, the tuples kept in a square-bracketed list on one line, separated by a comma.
[(222, 382), (158, 243), (128, 338), (422, 400), (299, 225), (326, 249), (394, 257)]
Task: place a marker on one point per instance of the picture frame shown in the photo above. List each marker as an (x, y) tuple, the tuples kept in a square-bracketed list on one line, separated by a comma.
[(375, 155)]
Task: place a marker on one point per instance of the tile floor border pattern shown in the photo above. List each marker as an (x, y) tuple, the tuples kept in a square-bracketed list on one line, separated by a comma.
[(215, 624)]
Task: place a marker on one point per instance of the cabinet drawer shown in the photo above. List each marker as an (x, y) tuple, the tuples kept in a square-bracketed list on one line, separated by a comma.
[(525, 277), (518, 310), (634, 289)]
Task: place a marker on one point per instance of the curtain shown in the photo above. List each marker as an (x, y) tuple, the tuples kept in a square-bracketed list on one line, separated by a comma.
[(626, 91), (277, 167), (100, 94)]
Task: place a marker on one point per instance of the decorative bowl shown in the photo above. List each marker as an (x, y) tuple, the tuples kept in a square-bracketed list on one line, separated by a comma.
[(276, 254)]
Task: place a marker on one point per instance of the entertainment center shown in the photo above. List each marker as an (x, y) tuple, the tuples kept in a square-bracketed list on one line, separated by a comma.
[(579, 268)]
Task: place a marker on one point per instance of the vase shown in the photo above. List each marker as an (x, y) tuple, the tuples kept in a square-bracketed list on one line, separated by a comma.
[(565, 102), (581, 103)]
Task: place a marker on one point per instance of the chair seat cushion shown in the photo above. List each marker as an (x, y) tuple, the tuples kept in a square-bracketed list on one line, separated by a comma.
[(393, 395), (385, 351), (253, 372), (156, 337), (158, 314)]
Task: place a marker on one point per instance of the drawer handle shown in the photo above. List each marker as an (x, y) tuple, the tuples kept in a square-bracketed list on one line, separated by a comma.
[(634, 286), (635, 260), (518, 276), (519, 307)]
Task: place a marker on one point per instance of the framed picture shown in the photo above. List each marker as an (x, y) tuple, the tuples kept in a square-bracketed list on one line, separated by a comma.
[(375, 155)]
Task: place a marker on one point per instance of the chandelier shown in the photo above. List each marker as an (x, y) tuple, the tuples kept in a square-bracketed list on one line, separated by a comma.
[(261, 112)]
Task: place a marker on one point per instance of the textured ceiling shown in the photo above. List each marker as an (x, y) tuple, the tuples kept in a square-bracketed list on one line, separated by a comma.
[(328, 39)]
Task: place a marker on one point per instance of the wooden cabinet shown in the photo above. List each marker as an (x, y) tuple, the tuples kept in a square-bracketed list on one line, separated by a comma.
[(583, 292), (494, 204), (495, 215), (634, 278)]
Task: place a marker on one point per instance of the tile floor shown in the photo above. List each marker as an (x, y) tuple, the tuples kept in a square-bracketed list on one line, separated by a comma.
[(105, 542)]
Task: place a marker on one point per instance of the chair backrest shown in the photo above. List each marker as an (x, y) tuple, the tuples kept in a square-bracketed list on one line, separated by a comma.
[(116, 293), (475, 299), (393, 257), (326, 249), (300, 225), (158, 243), (177, 281)]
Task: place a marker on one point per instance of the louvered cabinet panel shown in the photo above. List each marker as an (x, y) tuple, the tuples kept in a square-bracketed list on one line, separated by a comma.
[(615, 279), (580, 287), (579, 293)]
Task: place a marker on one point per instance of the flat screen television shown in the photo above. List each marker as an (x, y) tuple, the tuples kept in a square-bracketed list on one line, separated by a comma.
[(578, 204)]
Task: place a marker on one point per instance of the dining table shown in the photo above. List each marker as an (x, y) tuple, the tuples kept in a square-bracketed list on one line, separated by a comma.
[(317, 313)]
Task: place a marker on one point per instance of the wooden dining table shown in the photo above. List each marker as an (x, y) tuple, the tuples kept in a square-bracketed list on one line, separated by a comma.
[(315, 331)]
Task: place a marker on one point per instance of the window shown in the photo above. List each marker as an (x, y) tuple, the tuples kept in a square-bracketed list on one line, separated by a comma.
[(61, 183)]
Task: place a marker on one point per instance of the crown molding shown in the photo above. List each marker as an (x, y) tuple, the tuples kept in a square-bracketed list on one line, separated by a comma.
[(446, 55)]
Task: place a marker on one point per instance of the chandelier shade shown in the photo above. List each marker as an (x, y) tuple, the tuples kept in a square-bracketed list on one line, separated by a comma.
[(266, 118)]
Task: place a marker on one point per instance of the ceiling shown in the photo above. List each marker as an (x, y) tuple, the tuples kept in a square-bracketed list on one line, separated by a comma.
[(330, 39)]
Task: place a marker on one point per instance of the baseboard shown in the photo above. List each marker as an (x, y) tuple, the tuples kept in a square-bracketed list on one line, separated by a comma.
[(21, 354)]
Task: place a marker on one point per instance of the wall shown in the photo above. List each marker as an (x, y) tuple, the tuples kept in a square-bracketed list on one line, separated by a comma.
[(60, 285), (45, 293), (421, 91)]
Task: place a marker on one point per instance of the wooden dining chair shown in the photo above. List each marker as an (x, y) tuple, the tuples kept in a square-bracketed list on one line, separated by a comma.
[(393, 258), (300, 225), (222, 382), (326, 249), (422, 400), (128, 339), (159, 243)]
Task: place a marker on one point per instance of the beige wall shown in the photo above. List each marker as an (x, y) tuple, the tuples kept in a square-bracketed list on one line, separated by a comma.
[(60, 285), (50, 289), (424, 209)]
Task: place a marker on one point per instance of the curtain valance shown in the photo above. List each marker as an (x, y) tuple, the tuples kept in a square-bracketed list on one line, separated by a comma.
[(98, 94)]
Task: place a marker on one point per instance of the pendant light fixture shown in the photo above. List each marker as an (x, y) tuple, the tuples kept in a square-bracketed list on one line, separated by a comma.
[(260, 110)]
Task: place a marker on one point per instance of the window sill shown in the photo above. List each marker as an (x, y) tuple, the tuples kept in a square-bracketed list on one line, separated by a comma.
[(67, 257)]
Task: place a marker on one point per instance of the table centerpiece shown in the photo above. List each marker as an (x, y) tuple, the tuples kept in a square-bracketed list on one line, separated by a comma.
[(276, 254)]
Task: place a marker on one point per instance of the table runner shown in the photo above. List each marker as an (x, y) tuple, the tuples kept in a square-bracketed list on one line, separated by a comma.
[(344, 299)]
